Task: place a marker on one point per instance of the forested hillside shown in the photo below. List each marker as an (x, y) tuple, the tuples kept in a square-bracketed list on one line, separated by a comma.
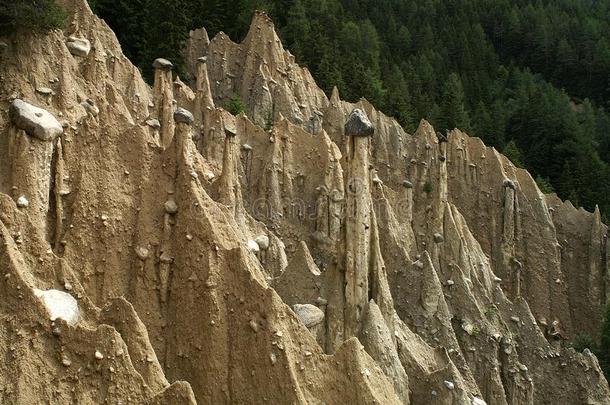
[(530, 78)]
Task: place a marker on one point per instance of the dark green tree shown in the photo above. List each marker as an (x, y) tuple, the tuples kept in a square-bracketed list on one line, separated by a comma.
[(30, 15), (453, 111)]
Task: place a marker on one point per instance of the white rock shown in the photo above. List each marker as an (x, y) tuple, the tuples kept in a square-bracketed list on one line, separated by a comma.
[(98, 355), (22, 202), (253, 246), (309, 314), (468, 327), (448, 384), (78, 46), (35, 121), (60, 305), (478, 401), (142, 253), (262, 241)]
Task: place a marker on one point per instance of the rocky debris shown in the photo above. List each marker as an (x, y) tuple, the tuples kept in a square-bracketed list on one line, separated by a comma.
[(183, 116), (358, 124), (78, 46), (59, 305), (309, 314), (161, 63), (407, 184), (34, 121)]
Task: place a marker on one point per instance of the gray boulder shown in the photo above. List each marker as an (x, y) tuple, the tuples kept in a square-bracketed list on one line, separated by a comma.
[(78, 46), (358, 124), (185, 116), (309, 314), (34, 121), (153, 123)]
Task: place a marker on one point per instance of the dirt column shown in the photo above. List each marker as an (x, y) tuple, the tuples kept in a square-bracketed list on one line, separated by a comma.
[(358, 129)]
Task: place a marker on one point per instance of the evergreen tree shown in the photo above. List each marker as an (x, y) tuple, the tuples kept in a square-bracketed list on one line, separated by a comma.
[(453, 112), (512, 152), (30, 15)]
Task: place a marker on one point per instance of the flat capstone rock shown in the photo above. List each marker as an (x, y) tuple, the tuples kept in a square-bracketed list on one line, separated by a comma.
[(161, 63), (185, 116)]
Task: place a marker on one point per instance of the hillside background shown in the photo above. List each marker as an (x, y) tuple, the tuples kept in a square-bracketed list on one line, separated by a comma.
[(530, 78)]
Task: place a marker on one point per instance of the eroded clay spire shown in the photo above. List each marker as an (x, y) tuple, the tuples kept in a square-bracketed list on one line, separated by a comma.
[(163, 93), (358, 129)]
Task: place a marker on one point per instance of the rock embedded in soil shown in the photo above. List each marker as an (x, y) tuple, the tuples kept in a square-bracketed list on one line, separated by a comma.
[(78, 46), (309, 314), (35, 121)]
